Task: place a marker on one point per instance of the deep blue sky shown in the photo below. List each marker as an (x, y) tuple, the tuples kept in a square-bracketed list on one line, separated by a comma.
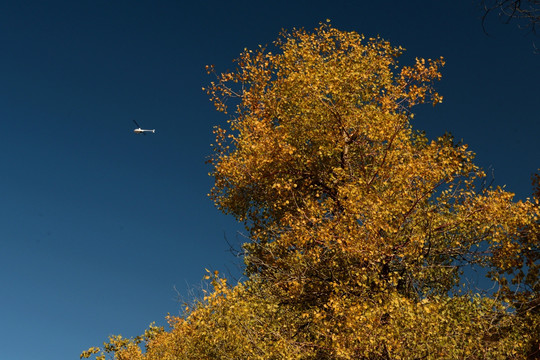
[(98, 226)]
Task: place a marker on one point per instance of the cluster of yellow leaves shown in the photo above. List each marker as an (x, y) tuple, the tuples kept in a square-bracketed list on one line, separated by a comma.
[(229, 323), (249, 322), (359, 226)]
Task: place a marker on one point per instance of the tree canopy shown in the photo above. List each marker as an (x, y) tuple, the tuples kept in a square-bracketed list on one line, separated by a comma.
[(361, 230)]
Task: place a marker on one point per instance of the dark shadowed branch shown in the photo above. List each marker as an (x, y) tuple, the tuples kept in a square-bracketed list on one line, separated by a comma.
[(525, 12)]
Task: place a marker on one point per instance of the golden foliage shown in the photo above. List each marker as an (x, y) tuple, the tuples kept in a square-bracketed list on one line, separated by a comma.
[(360, 227)]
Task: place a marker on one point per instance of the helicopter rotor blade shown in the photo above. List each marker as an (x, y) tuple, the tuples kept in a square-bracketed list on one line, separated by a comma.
[(139, 126)]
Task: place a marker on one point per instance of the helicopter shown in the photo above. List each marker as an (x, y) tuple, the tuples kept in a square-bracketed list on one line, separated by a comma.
[(138, 130)]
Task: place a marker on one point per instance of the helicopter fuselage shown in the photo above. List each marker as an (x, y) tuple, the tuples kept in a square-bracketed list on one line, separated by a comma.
[(142, 131)]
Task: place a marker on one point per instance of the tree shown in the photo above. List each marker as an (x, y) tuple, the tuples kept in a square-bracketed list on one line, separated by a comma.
[(360, 228)]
